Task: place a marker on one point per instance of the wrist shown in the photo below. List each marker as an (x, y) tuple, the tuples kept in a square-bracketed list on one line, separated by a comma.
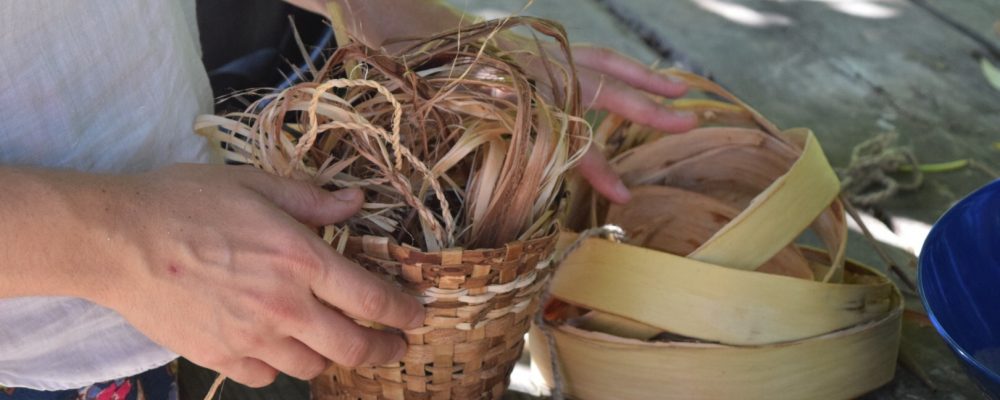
[(55, 239)]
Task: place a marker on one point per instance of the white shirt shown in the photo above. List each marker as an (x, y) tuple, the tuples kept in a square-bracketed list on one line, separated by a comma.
[(103, 86)]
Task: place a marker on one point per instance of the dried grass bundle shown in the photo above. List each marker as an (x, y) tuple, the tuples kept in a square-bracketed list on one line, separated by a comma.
[(454, 144)]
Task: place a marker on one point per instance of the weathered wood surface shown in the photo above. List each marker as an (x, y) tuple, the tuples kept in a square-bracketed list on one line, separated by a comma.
[(846, 69), (808, 63), (979, 16), (585, 21)]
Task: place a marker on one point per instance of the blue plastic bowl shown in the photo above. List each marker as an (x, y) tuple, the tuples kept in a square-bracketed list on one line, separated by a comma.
[(960, 283)]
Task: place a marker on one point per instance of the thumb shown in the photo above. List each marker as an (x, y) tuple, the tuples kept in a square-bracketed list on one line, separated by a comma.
[(307, 203)]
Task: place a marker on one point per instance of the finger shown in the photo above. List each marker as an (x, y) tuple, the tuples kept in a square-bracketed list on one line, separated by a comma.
[(305, 202), (627, 70), (596, 170), (358, 292), (250, 371), (636, 106), (294, 358), (343, 341)]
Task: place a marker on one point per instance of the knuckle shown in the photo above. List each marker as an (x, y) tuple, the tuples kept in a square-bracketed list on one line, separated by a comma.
[(320, 367), (304, 262), (647, 113), (283, 310), (244, 339), (309, 369), (259, 380), (296, 258), (307, 194), (374, 303), (250, 372), (355, 351), (309, 263), (286, 239), (248, 343)]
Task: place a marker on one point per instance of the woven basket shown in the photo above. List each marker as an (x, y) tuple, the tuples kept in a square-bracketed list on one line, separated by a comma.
[(453, 144), (479, 305), (710, 298)]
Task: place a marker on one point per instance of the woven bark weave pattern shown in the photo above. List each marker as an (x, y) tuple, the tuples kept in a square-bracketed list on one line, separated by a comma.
[(479, 306)]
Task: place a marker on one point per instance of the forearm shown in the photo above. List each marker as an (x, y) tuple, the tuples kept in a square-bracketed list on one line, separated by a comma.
[(210, 261), (47, 233)]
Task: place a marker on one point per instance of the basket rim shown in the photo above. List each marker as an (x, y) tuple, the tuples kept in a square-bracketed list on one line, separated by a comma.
[(895, 311)]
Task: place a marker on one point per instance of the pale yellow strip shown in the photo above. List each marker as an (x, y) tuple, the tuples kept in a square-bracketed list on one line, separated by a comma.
[(777, 215), (710, 302), (841, 365)]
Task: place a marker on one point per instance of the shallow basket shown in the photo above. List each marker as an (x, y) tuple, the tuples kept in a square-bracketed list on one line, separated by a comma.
[(594, 364), (710, 298), (479, 305)]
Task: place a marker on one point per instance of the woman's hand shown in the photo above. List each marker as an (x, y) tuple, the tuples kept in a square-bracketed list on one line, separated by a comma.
[(226, 272), (216, 263), (618, 84), (609, 80)]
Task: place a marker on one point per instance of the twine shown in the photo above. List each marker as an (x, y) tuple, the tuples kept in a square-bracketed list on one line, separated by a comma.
[(216, 387), (866, 181), (608, 232)]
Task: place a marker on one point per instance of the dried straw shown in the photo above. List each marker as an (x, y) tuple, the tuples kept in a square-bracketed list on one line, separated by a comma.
[(453, 142)]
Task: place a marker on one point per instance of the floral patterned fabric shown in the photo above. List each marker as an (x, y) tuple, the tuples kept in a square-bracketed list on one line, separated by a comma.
[(155, 384)]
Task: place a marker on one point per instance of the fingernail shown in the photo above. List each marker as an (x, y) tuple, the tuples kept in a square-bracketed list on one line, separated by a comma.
[(347, 194), (622, 194)]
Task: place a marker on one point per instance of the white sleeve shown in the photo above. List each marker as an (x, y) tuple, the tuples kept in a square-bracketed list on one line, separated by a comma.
[(109, 86)]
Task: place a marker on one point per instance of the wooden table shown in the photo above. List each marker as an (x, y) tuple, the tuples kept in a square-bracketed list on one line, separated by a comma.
[(846, 69)]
